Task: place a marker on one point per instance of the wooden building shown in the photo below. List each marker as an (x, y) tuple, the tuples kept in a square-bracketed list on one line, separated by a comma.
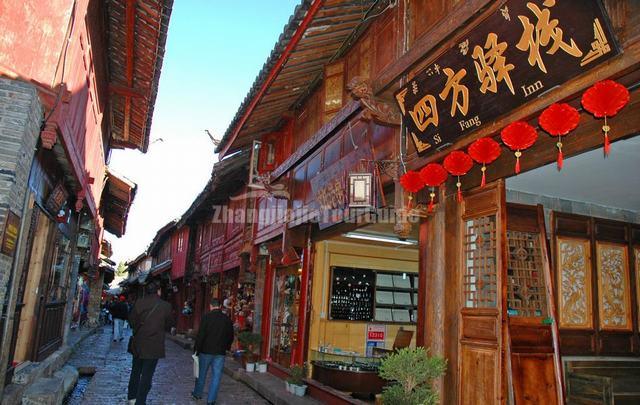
[(78, 78), (526, 285)]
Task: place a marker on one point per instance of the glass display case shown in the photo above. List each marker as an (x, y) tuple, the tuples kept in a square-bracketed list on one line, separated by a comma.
[(347, 371)]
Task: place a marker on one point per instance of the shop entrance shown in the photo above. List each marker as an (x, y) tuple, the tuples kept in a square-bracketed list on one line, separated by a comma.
[(591, 210), (364, 303)]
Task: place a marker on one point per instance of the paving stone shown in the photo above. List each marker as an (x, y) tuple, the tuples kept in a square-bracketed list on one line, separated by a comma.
[(172, 382), (45, 391)]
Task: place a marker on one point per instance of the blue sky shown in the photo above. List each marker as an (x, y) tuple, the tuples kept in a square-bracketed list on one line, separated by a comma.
[(215, 49)]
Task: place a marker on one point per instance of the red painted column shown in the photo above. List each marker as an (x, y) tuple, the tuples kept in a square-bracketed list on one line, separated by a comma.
[(298, 355), (267, 297), (422, 283)]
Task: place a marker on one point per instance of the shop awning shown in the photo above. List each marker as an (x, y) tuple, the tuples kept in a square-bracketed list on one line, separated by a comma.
[(117, 198), (318, 32), (137, 33)]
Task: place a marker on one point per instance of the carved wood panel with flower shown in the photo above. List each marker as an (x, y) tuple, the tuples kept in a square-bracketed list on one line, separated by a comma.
[(613, 286), (574, 283)]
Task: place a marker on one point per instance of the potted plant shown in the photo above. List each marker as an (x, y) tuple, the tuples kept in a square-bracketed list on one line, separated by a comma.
[(250, 342), (261, 366), (295, 382), (412, 372)]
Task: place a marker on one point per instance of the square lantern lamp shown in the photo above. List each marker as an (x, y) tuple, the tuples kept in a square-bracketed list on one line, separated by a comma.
[(360, 190)]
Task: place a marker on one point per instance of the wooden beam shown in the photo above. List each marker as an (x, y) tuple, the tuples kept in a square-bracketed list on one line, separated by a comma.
[(130, 18), (127, 91)]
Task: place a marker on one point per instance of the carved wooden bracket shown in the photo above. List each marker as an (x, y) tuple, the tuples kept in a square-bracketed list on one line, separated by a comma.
[(375, 109), (49, 135)]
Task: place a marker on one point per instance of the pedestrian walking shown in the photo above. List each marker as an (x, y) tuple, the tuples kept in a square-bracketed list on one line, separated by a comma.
[(120, 312), (150, 318), (213, 341)]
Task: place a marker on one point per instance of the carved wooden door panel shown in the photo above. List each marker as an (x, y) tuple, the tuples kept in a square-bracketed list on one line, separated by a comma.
[(533, 330), (482, 371)]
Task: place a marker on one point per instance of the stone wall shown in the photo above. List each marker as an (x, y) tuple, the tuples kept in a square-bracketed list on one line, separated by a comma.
[(21, 115)]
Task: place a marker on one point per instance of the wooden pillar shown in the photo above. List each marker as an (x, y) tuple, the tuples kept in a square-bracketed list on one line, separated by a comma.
[(439, 291), (266, 308), (305, 280)]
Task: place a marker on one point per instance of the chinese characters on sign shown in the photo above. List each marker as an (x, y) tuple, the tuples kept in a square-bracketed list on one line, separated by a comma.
[(516, 54), (11, 233)]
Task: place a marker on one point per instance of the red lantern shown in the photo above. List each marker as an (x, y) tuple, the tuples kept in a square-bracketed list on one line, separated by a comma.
[(412, 183), (458, 164), (518, 136), (433, 175), (485, 151), (605, 99), (559, 120)]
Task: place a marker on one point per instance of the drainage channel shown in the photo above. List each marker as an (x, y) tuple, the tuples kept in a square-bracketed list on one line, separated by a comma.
[(84, 378)]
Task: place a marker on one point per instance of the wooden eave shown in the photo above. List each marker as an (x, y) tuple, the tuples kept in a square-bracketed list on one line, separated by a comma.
[(117, 197), (316, 31), (137, 32)]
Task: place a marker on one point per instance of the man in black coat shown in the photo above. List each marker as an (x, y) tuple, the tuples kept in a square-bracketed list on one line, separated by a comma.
[(150, 318), (213, 341)]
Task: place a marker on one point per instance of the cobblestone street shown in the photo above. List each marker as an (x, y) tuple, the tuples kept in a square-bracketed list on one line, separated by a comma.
[(172, 381)]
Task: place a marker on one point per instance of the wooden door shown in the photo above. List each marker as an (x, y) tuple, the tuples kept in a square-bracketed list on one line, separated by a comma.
[(533, 331), (482, 365)]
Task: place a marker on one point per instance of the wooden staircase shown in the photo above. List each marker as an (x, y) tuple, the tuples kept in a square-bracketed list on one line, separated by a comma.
[(608, 382)]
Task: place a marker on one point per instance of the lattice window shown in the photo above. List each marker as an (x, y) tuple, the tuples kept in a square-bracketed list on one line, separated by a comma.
[(526, 295), (480, 277)]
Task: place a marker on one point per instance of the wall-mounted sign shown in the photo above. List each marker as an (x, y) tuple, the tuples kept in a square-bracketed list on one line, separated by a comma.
[(57, 198), (523, 50), (10, 234), (376, 335)]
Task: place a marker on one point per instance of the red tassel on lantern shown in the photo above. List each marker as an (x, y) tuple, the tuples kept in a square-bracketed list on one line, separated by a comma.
[(560, 159), (605, 99), (484, 176), (484, 150), (558, 120), (431, 195)]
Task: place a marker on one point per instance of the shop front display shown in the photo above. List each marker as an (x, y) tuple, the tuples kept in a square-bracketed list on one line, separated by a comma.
[(284, 322)]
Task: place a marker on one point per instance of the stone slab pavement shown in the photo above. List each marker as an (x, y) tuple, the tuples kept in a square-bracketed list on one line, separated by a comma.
[(172, 382)]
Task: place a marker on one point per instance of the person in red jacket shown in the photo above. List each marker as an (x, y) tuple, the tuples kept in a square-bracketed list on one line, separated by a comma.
[(213, 341)]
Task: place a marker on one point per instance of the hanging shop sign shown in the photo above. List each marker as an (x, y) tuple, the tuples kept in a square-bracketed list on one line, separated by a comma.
[(329, 187), (521, 51), (10, 234)]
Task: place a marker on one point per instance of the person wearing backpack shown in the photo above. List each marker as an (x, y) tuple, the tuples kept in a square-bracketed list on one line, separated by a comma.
[(150, 318)]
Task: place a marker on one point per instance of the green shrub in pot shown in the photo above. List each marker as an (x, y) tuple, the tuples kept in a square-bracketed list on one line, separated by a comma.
[(412, 372), (250, 342)]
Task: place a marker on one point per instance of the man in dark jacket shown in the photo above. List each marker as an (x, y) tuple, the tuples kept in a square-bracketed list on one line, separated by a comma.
[(214, 339), (150, 318), (120, 312)]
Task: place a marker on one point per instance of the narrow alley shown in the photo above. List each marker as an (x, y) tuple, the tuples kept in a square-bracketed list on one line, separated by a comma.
[(172, 381)]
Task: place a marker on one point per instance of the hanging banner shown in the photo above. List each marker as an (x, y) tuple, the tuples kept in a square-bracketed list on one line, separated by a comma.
[(523, 50)]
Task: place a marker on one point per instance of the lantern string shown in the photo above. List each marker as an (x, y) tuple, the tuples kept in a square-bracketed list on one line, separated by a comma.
[(484, 175), (458, 184)]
